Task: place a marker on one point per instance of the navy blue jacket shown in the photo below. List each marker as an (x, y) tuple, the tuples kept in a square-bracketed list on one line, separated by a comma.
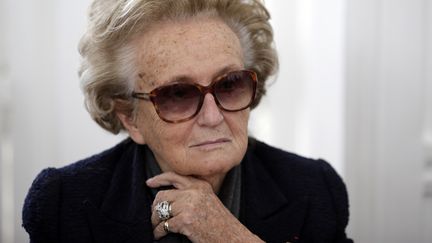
[(104, 198)]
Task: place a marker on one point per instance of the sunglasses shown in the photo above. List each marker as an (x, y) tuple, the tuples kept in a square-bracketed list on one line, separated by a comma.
[(179, 102)]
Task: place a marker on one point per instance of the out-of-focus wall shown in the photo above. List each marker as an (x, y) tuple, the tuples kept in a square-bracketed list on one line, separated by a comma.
[(352, 88), (388, 101), (49, 124), (304, 108), (3, 104)]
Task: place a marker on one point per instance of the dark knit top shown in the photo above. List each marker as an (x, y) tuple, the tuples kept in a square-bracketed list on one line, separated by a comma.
[(104, 198)]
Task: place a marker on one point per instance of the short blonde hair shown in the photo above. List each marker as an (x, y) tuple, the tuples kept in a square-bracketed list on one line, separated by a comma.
[(107, 71)]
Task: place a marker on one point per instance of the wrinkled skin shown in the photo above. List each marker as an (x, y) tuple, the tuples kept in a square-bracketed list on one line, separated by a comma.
[(198, 50), (197, 212)]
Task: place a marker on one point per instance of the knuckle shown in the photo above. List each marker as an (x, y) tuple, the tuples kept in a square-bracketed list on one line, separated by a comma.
[(187, 218), (155, 220), (205, 185), (160, 195)]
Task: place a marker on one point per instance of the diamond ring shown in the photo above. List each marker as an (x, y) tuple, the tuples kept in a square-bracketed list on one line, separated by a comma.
[(164, 210)]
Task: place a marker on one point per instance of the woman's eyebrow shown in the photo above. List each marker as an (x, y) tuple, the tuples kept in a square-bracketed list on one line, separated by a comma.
[(180, 79), (225, 70), (183, 78)]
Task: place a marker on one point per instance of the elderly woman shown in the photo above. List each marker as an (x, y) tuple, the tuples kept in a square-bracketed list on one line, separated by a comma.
[(181, 77)]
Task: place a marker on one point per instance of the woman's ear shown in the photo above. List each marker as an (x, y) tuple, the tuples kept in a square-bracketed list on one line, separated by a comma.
[(129, 123)]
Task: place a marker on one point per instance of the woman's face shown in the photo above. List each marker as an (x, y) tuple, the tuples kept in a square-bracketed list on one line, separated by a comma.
[(198, 50)]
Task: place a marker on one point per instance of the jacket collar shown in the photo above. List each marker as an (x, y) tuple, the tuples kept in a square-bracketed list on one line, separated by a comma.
[(266, 209), (124, 214)]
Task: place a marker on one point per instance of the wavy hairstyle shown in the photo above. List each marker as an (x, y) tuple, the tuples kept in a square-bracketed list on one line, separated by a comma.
[(107, 68)]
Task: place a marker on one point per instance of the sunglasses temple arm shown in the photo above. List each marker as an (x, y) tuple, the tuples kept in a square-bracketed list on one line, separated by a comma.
[(142, 96)]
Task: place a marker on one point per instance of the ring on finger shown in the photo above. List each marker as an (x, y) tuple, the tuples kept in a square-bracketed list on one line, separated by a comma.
[(166, 226), (164, 210), (169, 210)]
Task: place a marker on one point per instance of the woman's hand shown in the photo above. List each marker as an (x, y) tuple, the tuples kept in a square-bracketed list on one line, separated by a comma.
[(196, 211)]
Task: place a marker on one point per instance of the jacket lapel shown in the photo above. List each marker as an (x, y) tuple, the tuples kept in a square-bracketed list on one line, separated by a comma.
[(124, 214), (266, 210)]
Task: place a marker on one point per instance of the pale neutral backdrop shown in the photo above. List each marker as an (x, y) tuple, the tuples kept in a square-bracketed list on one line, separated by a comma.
[(354, 88)]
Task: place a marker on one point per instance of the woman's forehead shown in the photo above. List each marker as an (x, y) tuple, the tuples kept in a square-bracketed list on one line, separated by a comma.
[(190, 48)]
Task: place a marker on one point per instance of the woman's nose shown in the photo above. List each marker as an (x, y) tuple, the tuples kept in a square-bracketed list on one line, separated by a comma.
[(210, 114)]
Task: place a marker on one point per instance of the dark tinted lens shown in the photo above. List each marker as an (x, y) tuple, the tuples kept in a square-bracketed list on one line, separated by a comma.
[(235, 91), (177, 101)]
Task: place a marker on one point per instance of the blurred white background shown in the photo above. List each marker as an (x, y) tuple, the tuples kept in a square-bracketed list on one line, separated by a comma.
[(354, 87)]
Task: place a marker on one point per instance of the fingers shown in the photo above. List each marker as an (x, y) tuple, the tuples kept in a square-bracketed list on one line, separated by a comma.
[(190, 194), (170, 179), (159, 230), (172, 227)]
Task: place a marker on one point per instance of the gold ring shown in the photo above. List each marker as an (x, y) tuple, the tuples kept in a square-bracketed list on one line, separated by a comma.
[(166, 226)]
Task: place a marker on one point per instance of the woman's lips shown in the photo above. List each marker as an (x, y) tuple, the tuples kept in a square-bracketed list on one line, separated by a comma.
[(211, 142)]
